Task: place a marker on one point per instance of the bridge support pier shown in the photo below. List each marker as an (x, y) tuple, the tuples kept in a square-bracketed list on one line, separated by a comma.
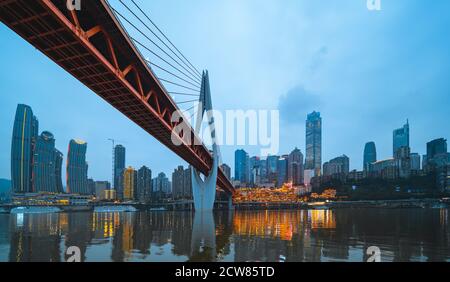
[(204, 191)]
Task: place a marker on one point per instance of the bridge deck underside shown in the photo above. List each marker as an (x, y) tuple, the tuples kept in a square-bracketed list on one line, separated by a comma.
[(107, 63)]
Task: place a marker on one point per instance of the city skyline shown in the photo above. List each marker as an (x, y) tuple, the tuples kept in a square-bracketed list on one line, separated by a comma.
[(319, 64)]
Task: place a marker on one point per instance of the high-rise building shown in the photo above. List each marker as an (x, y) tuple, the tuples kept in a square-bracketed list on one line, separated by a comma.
[(415, 161), (91, 186), (295, 167), (400, 138), (162, 184), (119, 166), (77, 168), (101, 190), (313, 159), (129, 183), (241, 166), (437, 155), (44, 164), (182, 183), (144, 184), (25, 132), (337, 166), (177, 182), (226, 170), (255, 170), (282, 167), (370, 155), (271, 164), (58, 171)]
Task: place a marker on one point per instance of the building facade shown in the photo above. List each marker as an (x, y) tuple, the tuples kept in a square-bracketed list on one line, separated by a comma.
[(313, 158), (400, 138), (295, 167), (370, 155), (337, 166), (282, 170), (44, 164), (77, 168), (241, 166), (119, 166), (144, 184), (129, 184), (25, 133), (226, 170)]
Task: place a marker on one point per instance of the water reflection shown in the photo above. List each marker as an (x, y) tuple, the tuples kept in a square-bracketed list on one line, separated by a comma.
[(314, 235)]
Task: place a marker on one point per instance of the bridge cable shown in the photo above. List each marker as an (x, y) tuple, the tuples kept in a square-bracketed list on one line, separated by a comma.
[(148, 49), (162, 41), (177, 84), (165, 36), (149, 39), (163, 69), (183, 94)]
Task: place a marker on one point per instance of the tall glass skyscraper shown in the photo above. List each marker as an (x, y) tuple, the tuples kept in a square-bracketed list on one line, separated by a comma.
[(77, 168), (241, 166), (58, 171), (370, 155), (313, 158), (119, 166), (44, 164), (282, 170), (24, 137), (400, 138)]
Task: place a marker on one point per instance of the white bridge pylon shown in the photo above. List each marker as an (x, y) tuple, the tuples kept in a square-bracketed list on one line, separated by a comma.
[(204, 191)]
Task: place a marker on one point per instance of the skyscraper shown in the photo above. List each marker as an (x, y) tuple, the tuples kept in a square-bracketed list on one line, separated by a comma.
[(313, 159), (44, 164), (241, 166), (282, 173), (255, 170), (58, 171), (437, 155), (400, 138), (370, 155), (177, 182), (144, 184), (119, 166), (415, 161), (129, 183), (24, 136), (77, 168), (295, 167), (226, 170), (271, 168)]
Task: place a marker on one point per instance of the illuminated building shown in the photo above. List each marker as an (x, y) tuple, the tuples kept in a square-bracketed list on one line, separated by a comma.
[(282, 167), (129, 183), (24, 137)]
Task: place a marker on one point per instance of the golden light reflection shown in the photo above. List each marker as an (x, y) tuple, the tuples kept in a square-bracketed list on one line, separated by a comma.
[(281, 224)]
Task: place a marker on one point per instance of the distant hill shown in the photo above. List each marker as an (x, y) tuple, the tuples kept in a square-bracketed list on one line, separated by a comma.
[(5, 185)]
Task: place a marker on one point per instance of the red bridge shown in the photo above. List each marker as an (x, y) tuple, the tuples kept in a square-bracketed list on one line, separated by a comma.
[(93, 46)]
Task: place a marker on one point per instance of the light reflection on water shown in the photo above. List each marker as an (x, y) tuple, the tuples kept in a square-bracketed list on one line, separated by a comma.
[(303, 235)]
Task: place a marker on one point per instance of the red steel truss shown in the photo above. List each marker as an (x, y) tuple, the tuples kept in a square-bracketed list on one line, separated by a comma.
[(93, 46)]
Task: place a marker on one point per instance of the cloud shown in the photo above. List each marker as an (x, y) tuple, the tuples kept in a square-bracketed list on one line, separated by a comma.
[(296, 103)]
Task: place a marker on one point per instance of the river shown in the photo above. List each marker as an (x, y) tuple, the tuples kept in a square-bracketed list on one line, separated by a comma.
[(291, 236)]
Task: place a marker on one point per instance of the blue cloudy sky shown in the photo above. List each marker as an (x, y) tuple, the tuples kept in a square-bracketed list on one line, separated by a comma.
[(365, 71)]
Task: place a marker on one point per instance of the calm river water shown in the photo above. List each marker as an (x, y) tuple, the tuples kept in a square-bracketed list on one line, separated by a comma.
[(303, 235)]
